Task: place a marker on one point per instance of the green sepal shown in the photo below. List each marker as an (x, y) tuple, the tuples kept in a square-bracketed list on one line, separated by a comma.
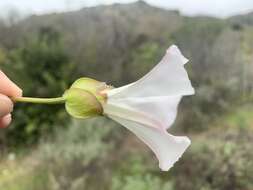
[(91, 85), (82, 103)]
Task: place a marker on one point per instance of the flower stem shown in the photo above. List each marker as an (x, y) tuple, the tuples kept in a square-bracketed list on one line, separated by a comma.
[(59, 100)]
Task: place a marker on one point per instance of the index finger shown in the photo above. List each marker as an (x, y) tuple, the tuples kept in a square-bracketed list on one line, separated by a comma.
[(7, 87)]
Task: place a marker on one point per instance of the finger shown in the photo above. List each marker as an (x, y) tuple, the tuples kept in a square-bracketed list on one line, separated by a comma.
[(5, 121), (6, 105), (7, 87)]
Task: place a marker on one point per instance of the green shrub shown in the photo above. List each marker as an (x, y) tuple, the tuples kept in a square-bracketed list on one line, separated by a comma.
[(42, 68), (218, 160)]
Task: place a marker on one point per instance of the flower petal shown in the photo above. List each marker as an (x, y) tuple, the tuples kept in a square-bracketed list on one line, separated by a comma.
[(168, 78), (156, 112), (167, 148)]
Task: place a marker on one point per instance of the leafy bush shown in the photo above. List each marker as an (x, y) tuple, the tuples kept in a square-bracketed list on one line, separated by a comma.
[(139, 182), (218, 160), (43, 69)]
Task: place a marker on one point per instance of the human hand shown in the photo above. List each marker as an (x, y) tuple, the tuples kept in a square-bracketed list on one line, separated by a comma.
[(7, 89)]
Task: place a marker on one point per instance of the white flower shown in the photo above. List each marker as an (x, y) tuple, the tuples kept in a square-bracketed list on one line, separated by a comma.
[(148, 107)]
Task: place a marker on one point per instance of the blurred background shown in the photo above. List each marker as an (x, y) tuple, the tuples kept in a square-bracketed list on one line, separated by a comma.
[(46, 45)]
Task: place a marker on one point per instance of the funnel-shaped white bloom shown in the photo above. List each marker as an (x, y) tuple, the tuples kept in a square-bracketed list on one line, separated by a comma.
[(148, 107)]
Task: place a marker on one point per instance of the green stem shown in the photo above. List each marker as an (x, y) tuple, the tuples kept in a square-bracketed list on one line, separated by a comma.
[(59, 100)]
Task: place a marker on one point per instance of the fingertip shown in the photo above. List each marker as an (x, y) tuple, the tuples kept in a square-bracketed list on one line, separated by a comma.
[(6, 105), (17, 92), (14, 90), (5, 121), (8, 87)]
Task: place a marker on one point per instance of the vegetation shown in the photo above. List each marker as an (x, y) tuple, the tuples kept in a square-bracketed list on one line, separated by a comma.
[(46, 149), (43, 52)]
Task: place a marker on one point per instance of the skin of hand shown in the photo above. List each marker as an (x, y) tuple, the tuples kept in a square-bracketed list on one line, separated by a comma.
[(7, 89)]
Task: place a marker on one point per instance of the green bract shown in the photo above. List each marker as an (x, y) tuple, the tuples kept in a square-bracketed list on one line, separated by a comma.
[(91, 85), (84, 98), (82, 104)]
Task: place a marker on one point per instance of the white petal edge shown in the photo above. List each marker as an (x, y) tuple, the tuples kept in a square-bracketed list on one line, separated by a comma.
[(168, 78), (167, 148)]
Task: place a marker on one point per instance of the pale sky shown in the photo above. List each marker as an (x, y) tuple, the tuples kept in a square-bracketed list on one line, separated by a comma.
[(220, 8)]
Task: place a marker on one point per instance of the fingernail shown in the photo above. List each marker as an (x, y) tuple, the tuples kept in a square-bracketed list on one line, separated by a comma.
[(6, 105), (5, 121)]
